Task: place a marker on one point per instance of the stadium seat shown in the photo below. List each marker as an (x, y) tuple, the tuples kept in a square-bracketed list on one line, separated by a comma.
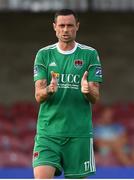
[(106, 160), (14, 159), (123, 110), (6, 125), (96, 111), (131, 139), (3, 111), (8, 142), (28, 142), (23, 109), (24, 125)]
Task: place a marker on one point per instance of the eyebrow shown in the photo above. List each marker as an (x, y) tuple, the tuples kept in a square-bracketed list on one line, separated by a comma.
[(68, 24)]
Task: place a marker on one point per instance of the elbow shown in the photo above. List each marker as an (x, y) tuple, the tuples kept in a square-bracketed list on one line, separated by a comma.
[(95, 100), (37, 99)]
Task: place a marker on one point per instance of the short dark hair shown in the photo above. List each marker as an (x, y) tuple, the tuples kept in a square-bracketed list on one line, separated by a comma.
[(65, 12)]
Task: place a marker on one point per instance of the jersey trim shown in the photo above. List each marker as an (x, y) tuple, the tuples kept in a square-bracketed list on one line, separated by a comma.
[(41, 65), (82, 46), (48, 163), (53, 46), (91, 65), (67, 52), (92, 159), (56, 45)]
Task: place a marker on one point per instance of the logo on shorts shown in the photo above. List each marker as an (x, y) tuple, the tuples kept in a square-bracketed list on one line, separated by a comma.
[(35, 155), (78, 63)]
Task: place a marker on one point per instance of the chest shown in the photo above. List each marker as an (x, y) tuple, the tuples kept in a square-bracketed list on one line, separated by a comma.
[(67, 64)]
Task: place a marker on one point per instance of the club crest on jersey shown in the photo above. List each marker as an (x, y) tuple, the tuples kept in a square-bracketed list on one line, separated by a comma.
[(78, 63)]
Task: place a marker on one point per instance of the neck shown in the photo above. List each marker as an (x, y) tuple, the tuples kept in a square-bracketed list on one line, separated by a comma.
[(66, 46)]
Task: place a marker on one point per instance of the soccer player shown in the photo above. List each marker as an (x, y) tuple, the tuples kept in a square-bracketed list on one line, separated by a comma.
[(67, 76)]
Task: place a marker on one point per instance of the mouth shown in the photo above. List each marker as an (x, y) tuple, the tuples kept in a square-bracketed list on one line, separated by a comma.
[(65, 35)]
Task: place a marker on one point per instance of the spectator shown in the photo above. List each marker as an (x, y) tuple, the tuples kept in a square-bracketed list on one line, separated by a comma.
[(111, 141)]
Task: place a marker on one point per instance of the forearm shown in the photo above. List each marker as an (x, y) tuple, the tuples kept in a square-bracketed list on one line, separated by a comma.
[(91, 91), (41, 95), (41, 90), (93, 96)]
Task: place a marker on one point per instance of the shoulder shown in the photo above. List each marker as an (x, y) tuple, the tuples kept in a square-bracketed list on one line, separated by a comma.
[(85, 47), (47, 48)]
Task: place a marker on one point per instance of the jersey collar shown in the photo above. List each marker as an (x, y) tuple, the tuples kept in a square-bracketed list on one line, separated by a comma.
[(67, 52)]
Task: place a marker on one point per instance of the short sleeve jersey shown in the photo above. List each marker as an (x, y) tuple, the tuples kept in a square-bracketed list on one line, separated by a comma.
[(66, 113)]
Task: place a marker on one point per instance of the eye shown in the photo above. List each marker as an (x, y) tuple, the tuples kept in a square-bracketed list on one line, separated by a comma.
[(62, 25), (70, 25)]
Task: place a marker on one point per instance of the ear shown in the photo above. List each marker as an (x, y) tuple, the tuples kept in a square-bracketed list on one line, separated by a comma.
[(77, 26), (54, 26)]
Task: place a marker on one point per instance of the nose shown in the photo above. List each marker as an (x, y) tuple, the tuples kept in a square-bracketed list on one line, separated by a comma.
[(65, 28)]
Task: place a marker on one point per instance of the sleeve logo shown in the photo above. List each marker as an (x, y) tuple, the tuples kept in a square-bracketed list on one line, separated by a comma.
[(98, 71), (35, 71)]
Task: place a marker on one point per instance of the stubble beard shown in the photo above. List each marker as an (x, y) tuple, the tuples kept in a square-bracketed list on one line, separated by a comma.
[(67, 41)]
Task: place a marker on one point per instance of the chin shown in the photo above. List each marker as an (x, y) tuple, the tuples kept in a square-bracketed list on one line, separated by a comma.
[(67, 40)]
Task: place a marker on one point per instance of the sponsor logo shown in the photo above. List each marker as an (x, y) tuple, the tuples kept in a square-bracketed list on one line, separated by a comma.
[(35, 70), (53, 64), (70, 81), (98, 71), (78, 63), (56, 75), (70, 78)]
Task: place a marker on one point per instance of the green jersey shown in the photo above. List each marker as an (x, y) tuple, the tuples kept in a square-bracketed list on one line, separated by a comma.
[(66, 113)]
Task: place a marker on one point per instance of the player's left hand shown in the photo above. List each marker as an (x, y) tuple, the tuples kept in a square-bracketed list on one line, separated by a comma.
[(84, 83)]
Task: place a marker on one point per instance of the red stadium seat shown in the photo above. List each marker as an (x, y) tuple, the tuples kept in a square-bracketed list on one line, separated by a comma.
[(24, 125), (96, 111), (106, 160), (14, 159), (28, 142), (23, 109), (123, 110), (3, 111), (131, 139), (8, 142), (6, 126)]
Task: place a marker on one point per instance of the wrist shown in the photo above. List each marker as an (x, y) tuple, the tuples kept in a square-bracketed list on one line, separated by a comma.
[(48, 92)]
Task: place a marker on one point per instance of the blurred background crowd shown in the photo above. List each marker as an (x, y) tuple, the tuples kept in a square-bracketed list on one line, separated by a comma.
[(25, 27), (113, 134)]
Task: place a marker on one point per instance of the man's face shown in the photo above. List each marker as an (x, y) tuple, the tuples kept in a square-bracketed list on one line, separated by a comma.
[(66, 28)]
